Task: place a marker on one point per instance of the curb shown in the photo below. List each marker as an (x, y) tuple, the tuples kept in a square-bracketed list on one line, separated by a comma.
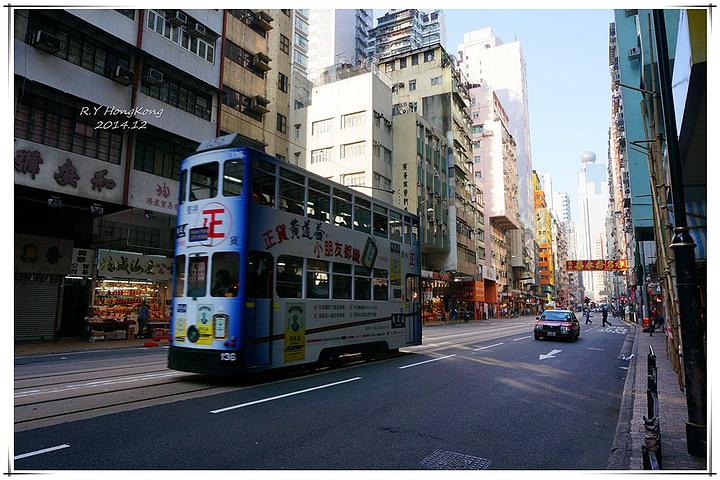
[(619, 458)]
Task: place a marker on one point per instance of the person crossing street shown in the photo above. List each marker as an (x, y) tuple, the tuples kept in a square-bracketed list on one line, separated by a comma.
[(605, 316)]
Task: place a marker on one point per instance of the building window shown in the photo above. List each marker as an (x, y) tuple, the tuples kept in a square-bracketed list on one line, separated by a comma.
[(241, 57), (160, 153), (128, 13), (353, 120), (322, 126), (321, 155), (300, 58), (436, 81), (302, 25), (78, 49), (413, 106), (353, 179), (300, 40), (158, 23), (414, 59), (390, 66), (283, 82), (52, 118), (281, 123), (430, 56), (248, 18), (352, 150), (403, 62), (297, 131), (179, 95), (240, 102), (284, 44), (380, 181), (412, 85)]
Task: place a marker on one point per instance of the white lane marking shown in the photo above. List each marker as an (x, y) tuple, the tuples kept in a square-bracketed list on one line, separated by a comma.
[(550, 354), (79, 353), (521, 338), (220, 410), (44, 450), (427, 361), (623, 368), (489, 346), (593, 348), (148, 376)]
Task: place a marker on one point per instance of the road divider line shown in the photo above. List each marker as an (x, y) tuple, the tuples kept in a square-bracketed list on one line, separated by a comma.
[(427, 361), (39, 452), (521, 338), (489, 346), (220, 410)]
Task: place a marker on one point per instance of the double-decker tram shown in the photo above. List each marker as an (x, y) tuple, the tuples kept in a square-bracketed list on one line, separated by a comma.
[(276, 266)]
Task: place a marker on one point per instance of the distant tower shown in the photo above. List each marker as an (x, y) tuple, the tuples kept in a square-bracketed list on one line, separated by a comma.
[(592, 204)]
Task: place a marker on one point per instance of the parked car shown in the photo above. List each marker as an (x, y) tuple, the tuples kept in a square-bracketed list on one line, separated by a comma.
[(557, 324)]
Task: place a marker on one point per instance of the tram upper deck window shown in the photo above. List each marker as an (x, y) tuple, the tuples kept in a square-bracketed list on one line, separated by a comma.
[(407, 227), (318, 206), (362, 215), (292, 192), (380, 221), (204, 181), (395, 226), (342, 208), (232, 178), (415, 232), (342, 281), (263, 181)]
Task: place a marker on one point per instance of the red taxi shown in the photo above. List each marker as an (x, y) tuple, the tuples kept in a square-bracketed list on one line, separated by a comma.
[(557, 324)]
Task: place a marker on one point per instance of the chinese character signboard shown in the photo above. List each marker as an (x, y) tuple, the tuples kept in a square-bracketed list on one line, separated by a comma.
[(595, 265), (133, 266), (42, 254), (83, 262), (150, 192)]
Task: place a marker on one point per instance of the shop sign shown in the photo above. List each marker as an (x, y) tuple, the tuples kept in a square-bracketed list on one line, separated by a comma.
[(133, 266), (83, 261), (40, 166), (595, 265), (42, 254), (150, 192)]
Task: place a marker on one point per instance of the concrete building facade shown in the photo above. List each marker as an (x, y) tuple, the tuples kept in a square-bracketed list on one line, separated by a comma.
[(401, 31)]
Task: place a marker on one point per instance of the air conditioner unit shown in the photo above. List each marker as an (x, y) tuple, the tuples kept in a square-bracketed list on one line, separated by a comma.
[(633, 53), (259, 104), (199, 30), (403, 110), (123, 75), (263, 20), (179, 18), (46, 42), (261, 61), (153, 76)]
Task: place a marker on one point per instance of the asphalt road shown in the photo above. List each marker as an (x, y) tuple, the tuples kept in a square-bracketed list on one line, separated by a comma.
[(477, 395)]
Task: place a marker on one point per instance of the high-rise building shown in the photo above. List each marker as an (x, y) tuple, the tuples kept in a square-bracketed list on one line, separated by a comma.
[(482, 56), (400, 31), (592, 203), (348, 130), (561, 206), (336, 36), (545, 238)]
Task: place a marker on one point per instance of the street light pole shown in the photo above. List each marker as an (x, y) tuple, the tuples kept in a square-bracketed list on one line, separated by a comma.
[(692, 325)]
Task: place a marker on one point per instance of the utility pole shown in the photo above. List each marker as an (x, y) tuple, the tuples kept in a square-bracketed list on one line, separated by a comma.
[(692, 325)]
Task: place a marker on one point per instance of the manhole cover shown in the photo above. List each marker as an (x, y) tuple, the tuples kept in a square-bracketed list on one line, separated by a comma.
[(442, 460)]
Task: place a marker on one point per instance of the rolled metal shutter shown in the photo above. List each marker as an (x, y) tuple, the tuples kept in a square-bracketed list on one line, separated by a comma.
[(35, 309)]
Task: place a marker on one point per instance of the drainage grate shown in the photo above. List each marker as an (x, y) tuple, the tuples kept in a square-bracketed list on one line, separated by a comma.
[(442, 460)]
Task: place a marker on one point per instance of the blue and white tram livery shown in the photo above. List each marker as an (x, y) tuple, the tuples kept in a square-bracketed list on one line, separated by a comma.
[(276, 266)]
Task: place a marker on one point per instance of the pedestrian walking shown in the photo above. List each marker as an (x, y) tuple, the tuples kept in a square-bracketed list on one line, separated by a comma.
[(587, 315), (143, 313), (605, 316), (453, 314)]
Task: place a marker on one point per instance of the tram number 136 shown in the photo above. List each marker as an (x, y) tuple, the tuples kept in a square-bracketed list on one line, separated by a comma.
[(227, 357)]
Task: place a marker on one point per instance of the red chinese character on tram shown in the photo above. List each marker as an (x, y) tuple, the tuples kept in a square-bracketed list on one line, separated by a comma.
[(338, 249), (356, 255), (328, 248), (282, 235), (268, 238), (348, 251)]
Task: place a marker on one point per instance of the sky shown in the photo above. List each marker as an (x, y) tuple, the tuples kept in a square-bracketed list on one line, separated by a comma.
[(566, 54)]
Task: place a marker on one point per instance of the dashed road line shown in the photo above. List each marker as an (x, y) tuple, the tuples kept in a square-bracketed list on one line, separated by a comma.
[(488, 346), (521, 338), (220, 410), (427, 361), (39, 452)]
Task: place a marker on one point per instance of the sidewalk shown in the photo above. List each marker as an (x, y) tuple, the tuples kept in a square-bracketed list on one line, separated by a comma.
[(27, 349), (627, 448)]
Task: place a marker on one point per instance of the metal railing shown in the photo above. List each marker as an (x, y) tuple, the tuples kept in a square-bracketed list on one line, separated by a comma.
[(652, 450)]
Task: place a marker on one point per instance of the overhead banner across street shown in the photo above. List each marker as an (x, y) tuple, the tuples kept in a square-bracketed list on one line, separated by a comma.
[(595, 265)]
